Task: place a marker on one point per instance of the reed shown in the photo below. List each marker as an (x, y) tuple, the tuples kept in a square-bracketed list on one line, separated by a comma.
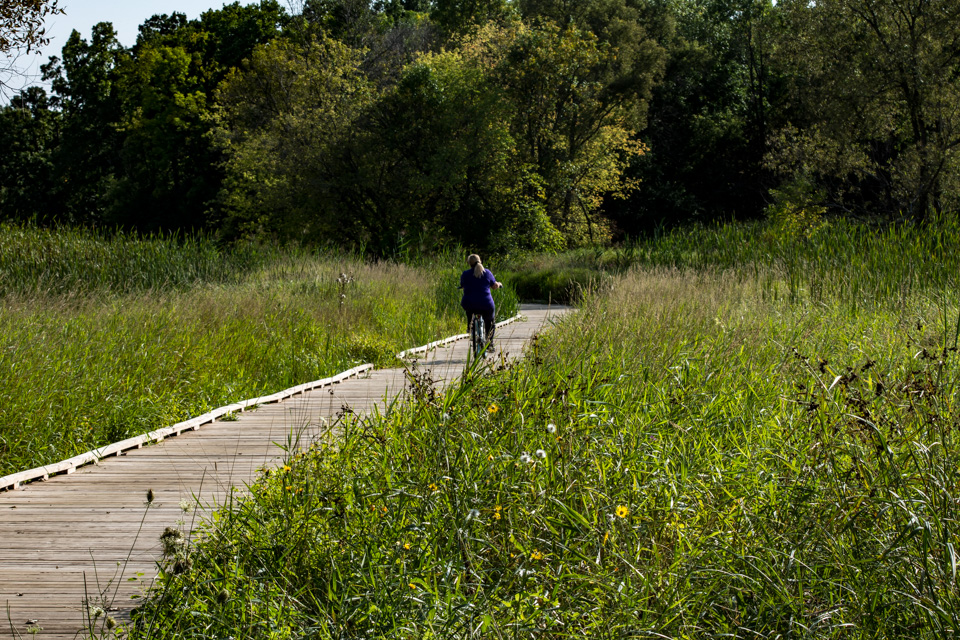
[(104, 338), (688, 456)]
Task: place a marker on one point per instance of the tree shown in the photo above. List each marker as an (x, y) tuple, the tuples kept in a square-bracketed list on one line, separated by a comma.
[(85, 84), (279, 122), (573, 121), (877, 103), (709, 118), (21, 28), (438, 158), (170, 174), (458, 17), (29, 136), (21, 23), (167, 174)]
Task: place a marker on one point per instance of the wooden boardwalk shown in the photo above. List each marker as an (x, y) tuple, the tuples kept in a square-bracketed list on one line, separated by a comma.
[(88, 537)]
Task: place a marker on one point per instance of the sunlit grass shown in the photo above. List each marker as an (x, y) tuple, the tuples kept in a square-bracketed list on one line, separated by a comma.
[(837, 260), (688, 456), (107, 338)]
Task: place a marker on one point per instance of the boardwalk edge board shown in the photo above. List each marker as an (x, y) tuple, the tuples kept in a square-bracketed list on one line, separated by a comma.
[(446, 341), (68, 466), (14, 481)]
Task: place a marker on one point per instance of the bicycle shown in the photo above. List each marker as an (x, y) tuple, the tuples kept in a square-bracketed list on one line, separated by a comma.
[(478, 336)]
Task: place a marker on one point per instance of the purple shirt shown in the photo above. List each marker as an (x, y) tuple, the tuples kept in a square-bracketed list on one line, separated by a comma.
[(476, 291)]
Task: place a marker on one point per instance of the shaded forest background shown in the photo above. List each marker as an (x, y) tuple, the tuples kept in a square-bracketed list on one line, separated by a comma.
[(501, 125)]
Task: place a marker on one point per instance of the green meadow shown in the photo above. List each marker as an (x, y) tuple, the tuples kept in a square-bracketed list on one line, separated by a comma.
[(743, 432), (105, 338)]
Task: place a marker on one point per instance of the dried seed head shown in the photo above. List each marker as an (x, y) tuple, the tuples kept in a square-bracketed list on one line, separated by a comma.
[(172, 541), (150, 496)]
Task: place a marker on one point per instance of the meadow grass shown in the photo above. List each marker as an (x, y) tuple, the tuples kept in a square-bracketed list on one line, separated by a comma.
[(691, 455), (107, 338), (822, 261), (42, 262)]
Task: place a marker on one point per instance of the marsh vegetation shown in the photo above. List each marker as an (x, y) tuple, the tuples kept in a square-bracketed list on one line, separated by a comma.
[(710, 448), (107, 337)]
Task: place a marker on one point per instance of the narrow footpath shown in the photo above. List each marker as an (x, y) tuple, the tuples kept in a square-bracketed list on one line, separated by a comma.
[(89, 539)]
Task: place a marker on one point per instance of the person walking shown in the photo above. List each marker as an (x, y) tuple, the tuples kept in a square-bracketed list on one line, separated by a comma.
[(477, 282)]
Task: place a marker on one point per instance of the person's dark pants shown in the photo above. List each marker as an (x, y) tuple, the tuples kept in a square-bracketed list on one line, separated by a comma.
[(489, 321)]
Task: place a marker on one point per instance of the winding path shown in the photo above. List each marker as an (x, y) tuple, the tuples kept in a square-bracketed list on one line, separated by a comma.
[(88, 537)]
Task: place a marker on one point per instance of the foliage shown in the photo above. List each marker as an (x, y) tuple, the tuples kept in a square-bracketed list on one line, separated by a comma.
[(708, 119), (458, 17), (796, 212), (279, 123), (21, 23), (85, 161), (528, 125), (169, 172), (30, 135), (453, 166), (569, 125), (877, 78)]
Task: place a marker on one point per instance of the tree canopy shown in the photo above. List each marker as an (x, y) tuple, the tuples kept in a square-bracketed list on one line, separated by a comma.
[(533, 124), (21, 23)]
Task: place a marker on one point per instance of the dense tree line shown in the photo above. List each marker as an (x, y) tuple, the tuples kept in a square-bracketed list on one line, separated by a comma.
[(499, 123)]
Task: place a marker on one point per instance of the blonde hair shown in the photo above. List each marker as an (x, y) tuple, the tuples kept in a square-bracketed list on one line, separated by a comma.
[(474, 261)]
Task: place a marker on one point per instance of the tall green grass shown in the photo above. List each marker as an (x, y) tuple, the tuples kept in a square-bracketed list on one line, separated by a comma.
[(36, 261), (843, 260), (104, 338), (688, 456)]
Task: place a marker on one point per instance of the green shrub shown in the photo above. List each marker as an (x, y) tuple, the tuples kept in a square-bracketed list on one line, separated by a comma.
[(564, 285)]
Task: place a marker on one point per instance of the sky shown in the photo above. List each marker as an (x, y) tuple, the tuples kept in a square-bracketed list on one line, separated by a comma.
[(126, 16)]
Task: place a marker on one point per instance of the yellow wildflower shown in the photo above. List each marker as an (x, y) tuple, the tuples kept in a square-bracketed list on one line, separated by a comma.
[(622, 511), (493, 408)]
